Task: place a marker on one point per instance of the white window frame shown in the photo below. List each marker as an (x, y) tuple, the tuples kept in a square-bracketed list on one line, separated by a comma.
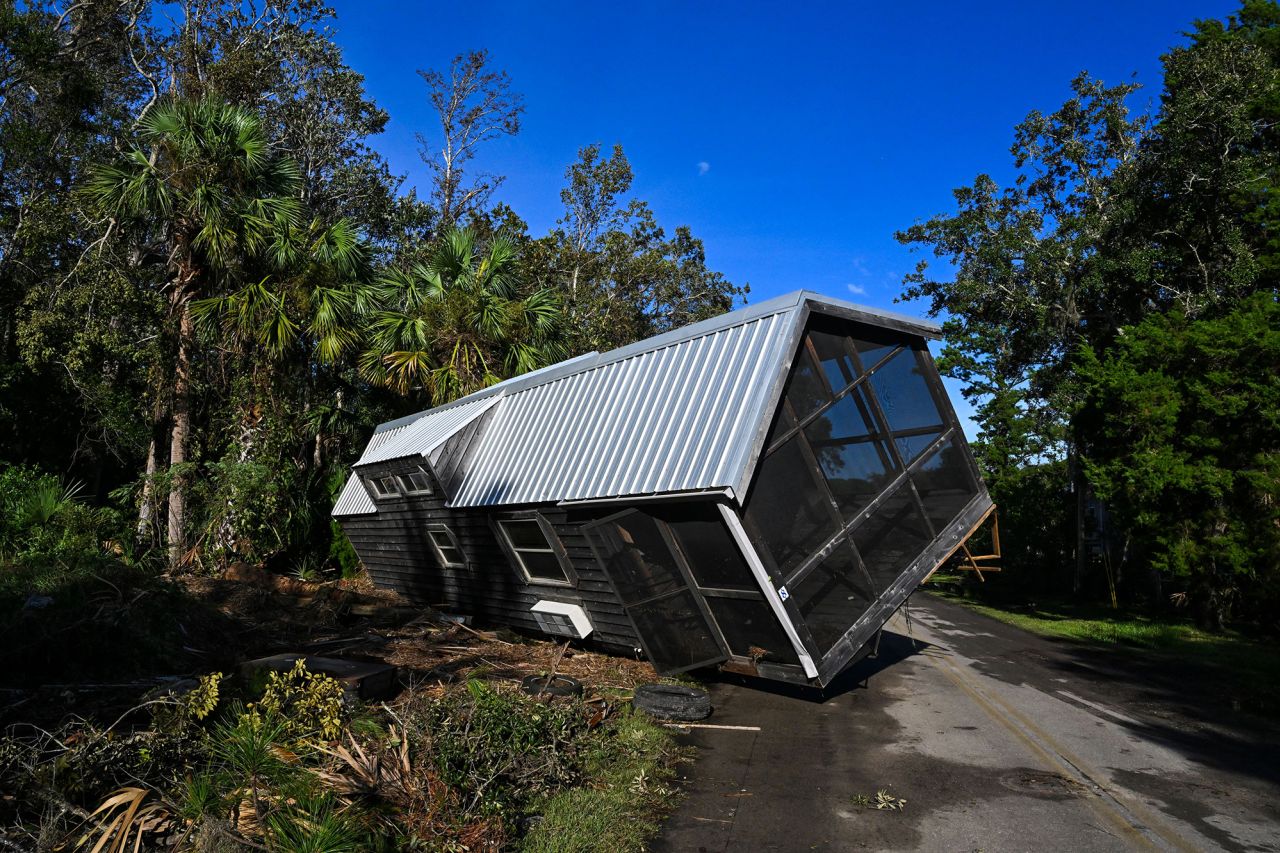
[(406, 484), (432, 530), (554, 546), (376, 482)]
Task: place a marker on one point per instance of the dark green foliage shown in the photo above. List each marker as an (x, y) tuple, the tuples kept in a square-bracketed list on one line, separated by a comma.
[(461, 320), (316, 823), (342, 554), (502, 748), (1037, 531), (66, 582), (1183, 421), (1116, 227), (43, 522), (632, 761), (473, 765)]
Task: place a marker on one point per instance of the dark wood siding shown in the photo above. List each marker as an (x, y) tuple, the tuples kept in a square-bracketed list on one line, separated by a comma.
[(394, 547)]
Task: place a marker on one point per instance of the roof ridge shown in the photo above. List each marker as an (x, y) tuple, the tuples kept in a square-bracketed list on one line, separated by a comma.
[(590, 361), (730, 319)]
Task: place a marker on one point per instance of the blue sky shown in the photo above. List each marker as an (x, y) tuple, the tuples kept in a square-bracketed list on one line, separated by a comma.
[(794, 138)]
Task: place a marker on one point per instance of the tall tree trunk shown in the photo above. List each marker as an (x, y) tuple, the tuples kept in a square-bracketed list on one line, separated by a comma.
[(180, 436), (146, 506), (228, 538)]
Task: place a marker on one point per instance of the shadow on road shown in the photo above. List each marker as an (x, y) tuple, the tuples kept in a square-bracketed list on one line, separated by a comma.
[(894, 648), (1183, 706)]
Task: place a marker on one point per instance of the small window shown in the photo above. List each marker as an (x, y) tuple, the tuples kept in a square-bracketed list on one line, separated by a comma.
[(416, 482), (383, 487), (446, 546), (533, 548)]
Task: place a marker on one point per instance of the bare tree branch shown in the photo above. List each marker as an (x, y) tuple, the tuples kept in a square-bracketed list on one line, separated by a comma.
[(475, 106)]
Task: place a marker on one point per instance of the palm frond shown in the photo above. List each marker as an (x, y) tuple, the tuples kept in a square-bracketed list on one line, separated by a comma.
[(405, 368)]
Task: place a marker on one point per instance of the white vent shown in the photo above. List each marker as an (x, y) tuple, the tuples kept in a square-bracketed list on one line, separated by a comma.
[(563, 620)]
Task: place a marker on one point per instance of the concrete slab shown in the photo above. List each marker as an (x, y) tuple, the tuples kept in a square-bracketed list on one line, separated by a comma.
[(363, 679)]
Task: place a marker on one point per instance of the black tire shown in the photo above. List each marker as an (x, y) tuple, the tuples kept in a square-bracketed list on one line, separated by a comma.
[(673, 701), (560, 685)]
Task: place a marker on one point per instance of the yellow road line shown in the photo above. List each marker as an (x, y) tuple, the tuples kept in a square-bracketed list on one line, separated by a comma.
[(1137, 825)]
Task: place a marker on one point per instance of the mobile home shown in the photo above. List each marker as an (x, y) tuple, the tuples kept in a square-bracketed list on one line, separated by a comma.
[(759, 492)]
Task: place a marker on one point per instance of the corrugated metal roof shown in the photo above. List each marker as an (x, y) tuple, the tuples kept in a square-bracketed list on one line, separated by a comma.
[(382, 436), (665, 420), (354, 499), (677, 412), (427, 432)]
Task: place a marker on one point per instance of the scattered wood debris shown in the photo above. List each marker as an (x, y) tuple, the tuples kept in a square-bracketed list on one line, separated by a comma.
[(255, 613)]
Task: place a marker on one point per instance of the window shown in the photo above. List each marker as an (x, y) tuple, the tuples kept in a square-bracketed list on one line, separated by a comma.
[(892, 538), (383, 487), (416, 482), (834, 355), (805, 389), (446, 546), (904, 394), (789, 507), (851, 452), (533, 548), (945, 484), (833, 596)]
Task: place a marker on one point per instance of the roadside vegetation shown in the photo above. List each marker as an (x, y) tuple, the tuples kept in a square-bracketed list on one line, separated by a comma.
[(103, 743), (1244, 668), (290, 766)]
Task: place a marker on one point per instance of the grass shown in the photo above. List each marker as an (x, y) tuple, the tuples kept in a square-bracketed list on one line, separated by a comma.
[(1247, 670), (627, 792)]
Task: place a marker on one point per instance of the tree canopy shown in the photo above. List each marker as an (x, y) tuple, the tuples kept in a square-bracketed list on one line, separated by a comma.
[(212, 285), (1112, 310)]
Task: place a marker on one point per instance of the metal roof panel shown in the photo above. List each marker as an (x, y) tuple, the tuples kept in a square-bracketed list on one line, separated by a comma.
[(678, 412)]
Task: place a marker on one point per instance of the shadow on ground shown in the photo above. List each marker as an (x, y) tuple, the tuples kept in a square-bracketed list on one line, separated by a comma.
[(893, 649), (1182, 706)]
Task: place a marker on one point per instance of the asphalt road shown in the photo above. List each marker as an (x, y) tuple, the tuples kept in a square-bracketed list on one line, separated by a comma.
[(998, 740)]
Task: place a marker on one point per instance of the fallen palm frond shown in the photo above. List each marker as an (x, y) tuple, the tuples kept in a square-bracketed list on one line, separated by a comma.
[(123, 816), (885, 800), (370, 773)]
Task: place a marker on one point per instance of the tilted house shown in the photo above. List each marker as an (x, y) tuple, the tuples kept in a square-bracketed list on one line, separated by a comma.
[(759, 491)]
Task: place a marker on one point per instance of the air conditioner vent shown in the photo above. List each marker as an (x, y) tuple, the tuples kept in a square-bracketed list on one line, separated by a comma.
[(562, 620)]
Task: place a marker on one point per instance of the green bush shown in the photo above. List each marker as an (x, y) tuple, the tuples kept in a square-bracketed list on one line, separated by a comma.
[(308, 703), (46, 531), (502, 748), (630, 762), (342, 553), (1182, 418), (68, 579)]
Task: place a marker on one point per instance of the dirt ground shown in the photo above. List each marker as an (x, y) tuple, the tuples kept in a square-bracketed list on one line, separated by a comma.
[(356, 620), (249, 613)]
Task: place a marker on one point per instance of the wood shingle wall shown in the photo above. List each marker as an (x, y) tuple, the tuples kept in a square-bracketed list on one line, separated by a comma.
[(395, 549)]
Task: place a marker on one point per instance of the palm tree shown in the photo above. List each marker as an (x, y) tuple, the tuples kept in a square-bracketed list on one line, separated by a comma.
[(305, 317), (461, 321), (313, 300), (206, 188)]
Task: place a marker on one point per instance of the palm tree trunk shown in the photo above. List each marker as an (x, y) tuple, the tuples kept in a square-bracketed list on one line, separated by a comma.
[(179, 438)]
